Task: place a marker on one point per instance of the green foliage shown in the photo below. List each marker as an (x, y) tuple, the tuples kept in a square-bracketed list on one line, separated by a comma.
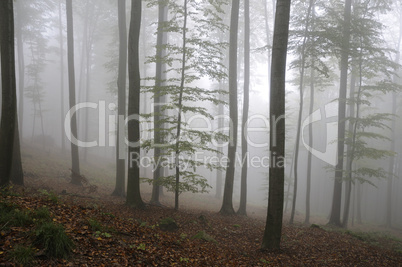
[(202, 53), (42, 214), (204, 236), (168, 224), (141, 246), (51, 196), (22, 255), (54, 240), (13, 215), (95, 225), (105, 234), (184, 259)]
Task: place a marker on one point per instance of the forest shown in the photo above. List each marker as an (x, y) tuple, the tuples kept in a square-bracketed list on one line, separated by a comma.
[(200, 133)]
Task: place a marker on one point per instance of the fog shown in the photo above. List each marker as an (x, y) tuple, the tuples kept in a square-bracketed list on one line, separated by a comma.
[(43, 108)]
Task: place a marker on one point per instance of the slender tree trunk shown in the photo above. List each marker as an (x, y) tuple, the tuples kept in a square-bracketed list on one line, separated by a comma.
[(9, 96), (267, 32), (219, 173), (301, 90), (61, 41), (75, 169), (335, 217), (177, 145), (351, 148), (289, 184), (310, 126), (311, 141), (391, 166), (21, 68), (227, 203), (133, 184), (119, 189), (158, 102), (244, 149), (273, 226)]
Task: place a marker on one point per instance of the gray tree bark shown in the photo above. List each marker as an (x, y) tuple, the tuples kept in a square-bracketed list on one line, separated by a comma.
[(119, 189), (273, 227), (133, 184), (227, 203), (75, 169)]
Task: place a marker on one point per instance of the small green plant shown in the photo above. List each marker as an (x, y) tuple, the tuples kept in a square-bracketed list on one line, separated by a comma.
[(141, 246), (22, 255), (21, 218), (236, 225), (184, 259), (183, 236), (51, 196), (204, 236), (14, 215), (168, 224), (108, 214), (143, 224), (95, 225), (54, 240), (42, 214), (99, 234), (264, 261)]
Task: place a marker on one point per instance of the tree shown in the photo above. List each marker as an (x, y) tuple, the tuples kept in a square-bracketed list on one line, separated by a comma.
[(21, 64), (335, 217), (191, 54), (159, 99), (61, 43), (392, 162), (244, 149), (9, 136), (273, 226), (75, 169), (301, 91), (133, 183), (121, 100), (227, 203), (376, 73)]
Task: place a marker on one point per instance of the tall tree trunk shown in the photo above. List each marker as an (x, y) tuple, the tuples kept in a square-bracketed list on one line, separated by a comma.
[(183, 68), (61, 41), (267, 32), (273, 226), (351, 148), (119, 189), (21, 68), (133, 183), (391, 166), (244, 149), (335, 217), (301, 90), (75, 169), (9, 96), (311, 141), (359, 203), (227, 203), (219, 173), (158, 102), (310, 126), (289, 184)]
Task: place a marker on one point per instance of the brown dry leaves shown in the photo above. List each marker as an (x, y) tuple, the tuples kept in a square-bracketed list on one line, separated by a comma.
[(130, 237)]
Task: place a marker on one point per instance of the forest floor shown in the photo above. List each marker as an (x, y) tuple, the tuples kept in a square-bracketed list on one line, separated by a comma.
[(105, 232)]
